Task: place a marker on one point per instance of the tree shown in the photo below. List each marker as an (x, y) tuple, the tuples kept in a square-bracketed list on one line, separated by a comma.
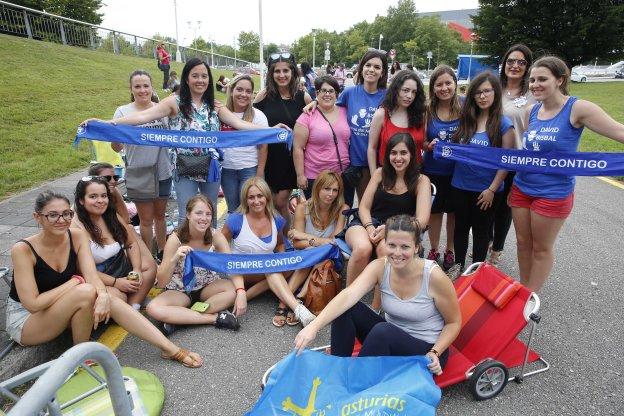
[(84, 10), (578, 31), (249, 45), (431, 35)]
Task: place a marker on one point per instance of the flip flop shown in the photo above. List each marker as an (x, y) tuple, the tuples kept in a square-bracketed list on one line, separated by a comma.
[(280, 313), (291, 319), (181, 356)]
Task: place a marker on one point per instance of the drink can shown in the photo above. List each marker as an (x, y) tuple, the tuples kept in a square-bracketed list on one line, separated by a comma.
[(134, 276)]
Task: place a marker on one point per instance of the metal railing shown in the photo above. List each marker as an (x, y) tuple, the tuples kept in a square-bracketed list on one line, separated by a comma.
[(25, 22)]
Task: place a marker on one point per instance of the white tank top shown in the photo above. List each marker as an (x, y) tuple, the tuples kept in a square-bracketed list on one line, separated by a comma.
[(248, 243), (105, 252)]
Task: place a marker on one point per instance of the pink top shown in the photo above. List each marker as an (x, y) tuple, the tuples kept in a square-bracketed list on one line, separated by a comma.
[(320, 151)]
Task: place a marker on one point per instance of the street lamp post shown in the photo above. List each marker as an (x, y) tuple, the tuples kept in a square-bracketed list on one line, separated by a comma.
[(313, 49), (178, 54), (380, 38), (261, 43)]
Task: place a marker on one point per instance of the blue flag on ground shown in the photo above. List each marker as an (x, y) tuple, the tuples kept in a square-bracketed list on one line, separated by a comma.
[(257, 263), (106, 132), (552, 163), (317, 384)]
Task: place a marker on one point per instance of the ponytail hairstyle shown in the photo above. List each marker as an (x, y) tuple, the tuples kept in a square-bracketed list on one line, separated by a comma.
[(45, 197), (184, 232), (138, 72), (434, 101), (558, 68), (405, 223), (248, 114)]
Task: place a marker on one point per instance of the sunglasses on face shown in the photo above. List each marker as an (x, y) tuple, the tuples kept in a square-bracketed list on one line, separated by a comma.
[(281, 57), (519, 62)]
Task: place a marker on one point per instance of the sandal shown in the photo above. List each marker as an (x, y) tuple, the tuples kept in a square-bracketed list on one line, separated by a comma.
[(495, 257), (181, 357), (280, 313), (291, 319)]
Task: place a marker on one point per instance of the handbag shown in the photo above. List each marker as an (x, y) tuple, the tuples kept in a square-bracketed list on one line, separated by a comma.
[(116, 266), (193, 165), (335, 141), (352, 175), (323, 285), (142, 182)]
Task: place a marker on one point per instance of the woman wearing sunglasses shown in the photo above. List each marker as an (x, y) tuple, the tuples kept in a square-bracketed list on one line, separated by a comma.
[(48, 295), (282, 102), (146, 161), (113, 243), (514, 77), (476, 191)]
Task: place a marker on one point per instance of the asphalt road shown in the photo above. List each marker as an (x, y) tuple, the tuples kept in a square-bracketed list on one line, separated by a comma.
[(581, 334)]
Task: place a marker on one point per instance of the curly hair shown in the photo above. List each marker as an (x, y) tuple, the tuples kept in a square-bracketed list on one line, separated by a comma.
[(416, 110)]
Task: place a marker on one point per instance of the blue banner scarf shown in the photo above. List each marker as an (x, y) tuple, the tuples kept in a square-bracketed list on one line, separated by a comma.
[(314, 384), (256, 263), (551, 163), (106, 132)]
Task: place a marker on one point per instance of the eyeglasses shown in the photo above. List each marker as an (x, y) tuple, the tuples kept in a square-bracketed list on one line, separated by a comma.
[(280, 57), (519, 62), (486, 92), (53, 217), (323, 91)]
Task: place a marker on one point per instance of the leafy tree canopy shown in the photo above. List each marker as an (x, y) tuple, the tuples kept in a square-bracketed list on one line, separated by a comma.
[(84, 10)]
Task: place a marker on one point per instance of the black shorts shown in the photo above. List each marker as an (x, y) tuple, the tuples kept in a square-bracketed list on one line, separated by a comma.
[(442, 202)]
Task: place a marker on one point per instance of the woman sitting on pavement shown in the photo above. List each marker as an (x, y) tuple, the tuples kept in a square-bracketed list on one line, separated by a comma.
[(48, 294), (317, 221), (321, 138), (402, 111), (172, 306), (395, 188), (113, 244), (422, 315), (258, 229)]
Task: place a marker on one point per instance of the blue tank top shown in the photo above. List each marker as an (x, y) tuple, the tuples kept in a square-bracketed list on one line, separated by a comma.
[(443, 131), (557, 134), (474, 178)]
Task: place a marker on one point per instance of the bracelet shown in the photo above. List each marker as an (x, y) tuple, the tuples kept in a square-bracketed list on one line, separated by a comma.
[(488, 189), (369, 224), (79, 278), (240, 288), (433, 350)]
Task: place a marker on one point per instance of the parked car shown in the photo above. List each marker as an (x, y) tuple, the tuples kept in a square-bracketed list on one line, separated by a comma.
[(619, 73), (576, 77)]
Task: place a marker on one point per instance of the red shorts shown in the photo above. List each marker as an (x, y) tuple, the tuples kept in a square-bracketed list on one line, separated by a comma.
[(553, 208)]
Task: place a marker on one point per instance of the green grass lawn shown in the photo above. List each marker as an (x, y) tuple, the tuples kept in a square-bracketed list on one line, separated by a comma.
[(48, 89)]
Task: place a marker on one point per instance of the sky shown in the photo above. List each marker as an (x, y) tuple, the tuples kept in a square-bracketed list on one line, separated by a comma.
[(221, 21)]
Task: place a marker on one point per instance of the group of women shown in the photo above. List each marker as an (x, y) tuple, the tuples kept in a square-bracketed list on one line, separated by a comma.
[(371, 140)]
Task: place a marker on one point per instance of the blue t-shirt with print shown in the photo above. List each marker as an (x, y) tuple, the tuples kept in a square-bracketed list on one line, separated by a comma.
[(443, 131), (474, 178), (234, 222), (360, 106), (553, 134)]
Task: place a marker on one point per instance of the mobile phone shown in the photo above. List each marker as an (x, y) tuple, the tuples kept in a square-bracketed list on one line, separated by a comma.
[(200, 307)]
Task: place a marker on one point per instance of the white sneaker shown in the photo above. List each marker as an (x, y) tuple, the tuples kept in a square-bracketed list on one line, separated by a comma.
[(304, 315)]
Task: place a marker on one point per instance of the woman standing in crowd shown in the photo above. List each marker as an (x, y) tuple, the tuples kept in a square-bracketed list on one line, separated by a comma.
[(258, 229), (113, 243), (395, 188), (322, 137), (282, 102), (47, 295), (476, 191), (309, 76), (241, 163), (317, 221), (192, 109), (402, 111), (147, 161), (422, 315), (540, 202), (221, 83), (163, 62), (172, 306), (394, 69), (514, 77), (442, 122)]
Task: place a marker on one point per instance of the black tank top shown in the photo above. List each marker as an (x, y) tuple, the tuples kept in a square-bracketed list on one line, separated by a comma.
[(45, 276), (386, 205)]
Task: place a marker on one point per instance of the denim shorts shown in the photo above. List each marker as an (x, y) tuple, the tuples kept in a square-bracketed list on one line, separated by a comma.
[(16, 316)]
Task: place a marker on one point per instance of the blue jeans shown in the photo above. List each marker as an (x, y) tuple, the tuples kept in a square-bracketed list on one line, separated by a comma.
[(187, 188), (232, 181)]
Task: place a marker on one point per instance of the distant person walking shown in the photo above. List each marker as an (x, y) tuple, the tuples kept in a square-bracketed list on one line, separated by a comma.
[(163, 63)]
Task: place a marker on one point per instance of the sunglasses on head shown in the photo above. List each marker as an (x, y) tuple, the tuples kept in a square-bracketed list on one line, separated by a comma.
[(281, 57), (377, 50), (107, 178)]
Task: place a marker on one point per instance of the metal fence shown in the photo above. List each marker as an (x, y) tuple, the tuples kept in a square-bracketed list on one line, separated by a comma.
[(34, 24)]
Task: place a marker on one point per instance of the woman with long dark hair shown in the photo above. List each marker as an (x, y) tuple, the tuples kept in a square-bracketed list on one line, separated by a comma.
[(476, 191), (442, 122), (402, 111), (282, 102), (397, 187)]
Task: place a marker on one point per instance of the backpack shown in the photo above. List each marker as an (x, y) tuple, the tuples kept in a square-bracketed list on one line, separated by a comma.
[(323, 285)]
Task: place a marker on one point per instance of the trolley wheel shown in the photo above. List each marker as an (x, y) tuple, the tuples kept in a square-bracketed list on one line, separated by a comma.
[(489, 379)]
